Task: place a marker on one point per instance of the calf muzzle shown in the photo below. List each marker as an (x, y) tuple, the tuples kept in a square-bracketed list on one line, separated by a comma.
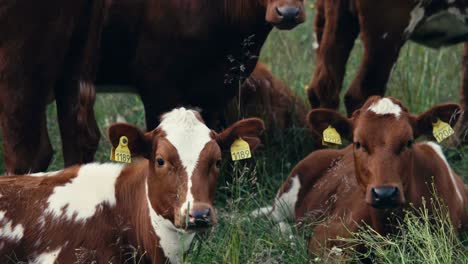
[(385, 197), (200, 218)]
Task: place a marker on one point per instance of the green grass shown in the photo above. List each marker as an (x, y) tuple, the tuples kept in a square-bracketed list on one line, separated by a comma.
[(422, 78)]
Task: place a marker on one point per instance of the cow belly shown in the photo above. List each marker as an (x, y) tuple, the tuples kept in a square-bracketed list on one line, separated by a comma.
[(444, 28)]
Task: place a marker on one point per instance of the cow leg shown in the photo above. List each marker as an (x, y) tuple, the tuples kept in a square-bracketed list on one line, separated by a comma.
[(462, 126), (337, 29), (382, 37), (26, 144), (78, 126)]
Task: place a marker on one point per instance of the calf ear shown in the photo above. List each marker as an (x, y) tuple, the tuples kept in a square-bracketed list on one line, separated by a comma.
[(248, 129), (140, 144), (448, 113), (320, 119)]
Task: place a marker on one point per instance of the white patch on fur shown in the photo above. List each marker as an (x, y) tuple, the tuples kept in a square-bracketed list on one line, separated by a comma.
[(417, 14), (189, 136), (10, 232), (315, 43), (439, 152), (93, 186), (48, 174), (385, 35), (47, 258), (173, 241), (286, 202), (385, 106)]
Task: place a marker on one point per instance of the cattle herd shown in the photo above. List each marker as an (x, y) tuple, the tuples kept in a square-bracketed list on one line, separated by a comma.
[(182, 55)]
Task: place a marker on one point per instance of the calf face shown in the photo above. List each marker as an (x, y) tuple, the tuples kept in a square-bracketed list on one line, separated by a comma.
[(285, 14), (184, 161), (383, 132)]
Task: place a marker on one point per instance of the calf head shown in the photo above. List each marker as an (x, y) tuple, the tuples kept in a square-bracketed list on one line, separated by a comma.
[(284, 14), (184, 161), (383, 133)]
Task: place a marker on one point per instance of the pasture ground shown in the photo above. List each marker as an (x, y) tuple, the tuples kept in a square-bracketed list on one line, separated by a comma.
[(421, 78)]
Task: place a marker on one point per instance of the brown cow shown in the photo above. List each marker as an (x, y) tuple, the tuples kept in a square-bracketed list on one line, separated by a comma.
[(383, 172), (263, 94), (149, 210), (171, 52), (384, 27)]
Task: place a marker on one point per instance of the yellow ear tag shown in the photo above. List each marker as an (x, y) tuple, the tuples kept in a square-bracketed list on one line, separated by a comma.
[(240, 150), (441, 130), (331, 137), (122, 152)]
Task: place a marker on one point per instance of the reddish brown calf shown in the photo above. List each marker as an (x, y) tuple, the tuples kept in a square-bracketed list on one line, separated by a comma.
[(263, 94), (108, 213), (372, 180), (384, 27)]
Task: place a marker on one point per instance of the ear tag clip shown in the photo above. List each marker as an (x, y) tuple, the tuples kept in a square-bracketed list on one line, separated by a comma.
[(240, 150), (331, 137), (441, 130), (122, 152)]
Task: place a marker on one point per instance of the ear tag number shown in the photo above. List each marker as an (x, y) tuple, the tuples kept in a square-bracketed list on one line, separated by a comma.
[(122, 152), (240, 150), (331, 137), (441, 130)]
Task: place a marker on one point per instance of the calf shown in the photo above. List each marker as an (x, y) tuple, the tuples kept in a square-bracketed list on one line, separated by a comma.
[(381, 173), (264, 94), (150, 209), (384, 27)]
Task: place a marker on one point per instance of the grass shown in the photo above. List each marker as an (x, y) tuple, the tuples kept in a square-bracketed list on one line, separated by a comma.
[(422, 78)]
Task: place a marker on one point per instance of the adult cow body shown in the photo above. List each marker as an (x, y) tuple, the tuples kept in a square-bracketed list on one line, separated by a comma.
[(373, 180), (145, 212), (188, 52), (171, 52), (384, 27)]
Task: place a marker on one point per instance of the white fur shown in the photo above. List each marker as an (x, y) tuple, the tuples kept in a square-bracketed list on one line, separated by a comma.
[(47, 258), (47, 174), (93, 186), (286, 202), (189, 136), (10, 232), (315, 44), (385, 106), (439, 152), (173, 241), (417, 14)]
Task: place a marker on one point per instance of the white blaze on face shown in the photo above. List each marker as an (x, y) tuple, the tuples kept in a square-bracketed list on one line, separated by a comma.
[(189, 136), (417, 14), (438, 151), (93, 186), (385, 106), (47, 257)]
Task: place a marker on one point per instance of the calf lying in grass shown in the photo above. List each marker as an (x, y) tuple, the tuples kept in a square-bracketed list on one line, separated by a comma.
[(109, 213), (374, 179)]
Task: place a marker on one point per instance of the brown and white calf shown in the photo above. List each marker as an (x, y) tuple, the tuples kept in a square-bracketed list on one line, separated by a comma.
[(381, 173), (150, 209), (384, 27)]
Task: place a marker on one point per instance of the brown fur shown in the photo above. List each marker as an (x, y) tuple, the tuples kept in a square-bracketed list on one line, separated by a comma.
[(381, 26), (264, 94), (335, 185)]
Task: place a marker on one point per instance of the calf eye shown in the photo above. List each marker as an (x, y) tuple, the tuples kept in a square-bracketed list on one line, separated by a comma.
[(218, 164), (160, 162), (410, 143)]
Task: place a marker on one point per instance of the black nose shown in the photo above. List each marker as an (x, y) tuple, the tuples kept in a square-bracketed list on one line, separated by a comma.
[(385, 197), (199, 218), (288, 12)]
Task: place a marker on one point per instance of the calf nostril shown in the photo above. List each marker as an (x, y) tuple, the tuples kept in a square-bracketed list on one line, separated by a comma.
[(278, 12), (288, 12)]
